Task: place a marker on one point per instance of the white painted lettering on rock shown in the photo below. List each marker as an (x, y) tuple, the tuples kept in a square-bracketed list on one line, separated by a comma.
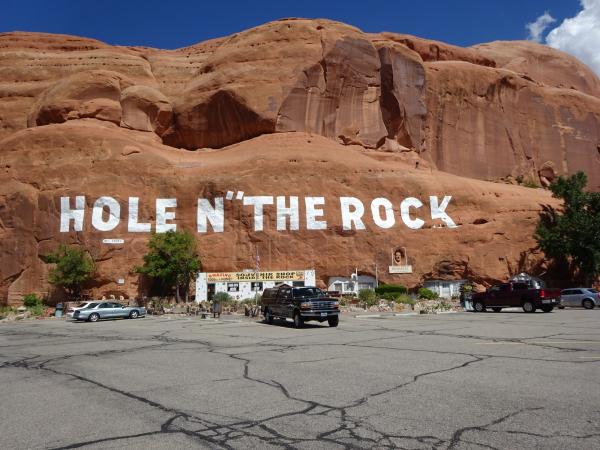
[(286, 211)]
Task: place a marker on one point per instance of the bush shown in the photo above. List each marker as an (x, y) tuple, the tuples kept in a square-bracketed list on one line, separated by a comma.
[(222, 297), (391, 288), (6, 310), (36, 310), (31, 301), (427, 294), (405, 299), (367, 296)]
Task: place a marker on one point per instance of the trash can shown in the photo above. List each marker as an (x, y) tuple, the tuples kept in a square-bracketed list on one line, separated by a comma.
[(58, 312), (216, 309)]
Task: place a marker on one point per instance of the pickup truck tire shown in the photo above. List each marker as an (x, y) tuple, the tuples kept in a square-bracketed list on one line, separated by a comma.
[(268, 316), (587, 304), (547, 309), (333, 321), (93, 317), (496, 309), (479, 307), (134, 314), (298, 322), (528, 307)]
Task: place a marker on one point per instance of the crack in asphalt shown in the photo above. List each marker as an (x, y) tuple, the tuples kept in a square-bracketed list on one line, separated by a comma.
[(352, 431)]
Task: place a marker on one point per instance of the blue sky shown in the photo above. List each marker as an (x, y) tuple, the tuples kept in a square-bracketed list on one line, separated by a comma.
[(173, 24)]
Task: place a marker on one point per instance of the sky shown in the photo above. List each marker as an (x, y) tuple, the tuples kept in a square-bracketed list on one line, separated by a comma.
[(172, 24)]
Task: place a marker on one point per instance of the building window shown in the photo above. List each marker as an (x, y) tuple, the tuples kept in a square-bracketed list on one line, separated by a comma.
[(233, 287), (298, 283), (339, 287), (365, 286), (257, 286)]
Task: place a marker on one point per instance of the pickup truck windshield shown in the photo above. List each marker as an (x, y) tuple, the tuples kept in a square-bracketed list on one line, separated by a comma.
[(307, 292)]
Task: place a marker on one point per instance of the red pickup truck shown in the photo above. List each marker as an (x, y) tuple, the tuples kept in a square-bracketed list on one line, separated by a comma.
[(510, 295)]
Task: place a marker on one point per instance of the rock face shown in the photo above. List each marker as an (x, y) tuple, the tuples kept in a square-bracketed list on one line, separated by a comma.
[(291, 108)]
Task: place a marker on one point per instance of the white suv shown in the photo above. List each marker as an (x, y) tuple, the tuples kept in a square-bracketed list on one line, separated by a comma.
[(580, 297)]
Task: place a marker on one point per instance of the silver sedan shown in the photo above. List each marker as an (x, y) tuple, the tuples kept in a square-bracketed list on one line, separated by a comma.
[(108, 310), (587, 298)]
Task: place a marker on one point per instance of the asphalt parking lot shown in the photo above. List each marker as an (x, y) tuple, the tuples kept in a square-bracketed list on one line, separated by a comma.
[(454, 381)]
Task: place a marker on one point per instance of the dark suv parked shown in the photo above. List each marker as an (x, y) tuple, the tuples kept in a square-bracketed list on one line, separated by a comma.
[(301, 304)]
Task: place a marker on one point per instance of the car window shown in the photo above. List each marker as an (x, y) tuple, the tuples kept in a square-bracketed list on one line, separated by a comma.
[(494, 288), (520, 286), (504, 288), (91, 305), (105, 305), (566, 292), (117, 305), (577, 292), (593, 291)]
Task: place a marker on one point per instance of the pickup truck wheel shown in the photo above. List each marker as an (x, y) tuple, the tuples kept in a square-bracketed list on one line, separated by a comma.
[(333, 321), (587, 304), (298, 322), (479, 307), (268, 316), (547, 309), (134, 314), (93, 317), (496, 309), (528, 307)]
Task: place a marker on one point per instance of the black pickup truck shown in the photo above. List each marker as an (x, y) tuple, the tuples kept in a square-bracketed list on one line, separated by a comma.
[(510, 295), (300, 304)]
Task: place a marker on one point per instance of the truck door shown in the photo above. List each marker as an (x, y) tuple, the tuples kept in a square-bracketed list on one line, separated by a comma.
[(519, 291), (286, 302)]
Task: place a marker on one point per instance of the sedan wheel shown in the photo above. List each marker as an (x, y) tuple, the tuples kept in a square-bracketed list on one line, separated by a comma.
[(588, 304), (479, 307), (94, 317), (133, 315)]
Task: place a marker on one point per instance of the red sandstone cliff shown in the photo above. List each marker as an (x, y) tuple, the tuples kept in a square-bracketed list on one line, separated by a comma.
[(294, 107)]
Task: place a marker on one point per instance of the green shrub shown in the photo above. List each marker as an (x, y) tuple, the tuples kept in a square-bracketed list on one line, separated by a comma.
[(31, 300), (367, 296), (391, 288), (390, 296), (405, 299), (427, 294), (36, 310), (222, 297), (6, 310)]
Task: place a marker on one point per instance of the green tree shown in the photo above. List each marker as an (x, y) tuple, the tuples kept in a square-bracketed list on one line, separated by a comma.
[(573, 233), (172, 259), (73, 268)]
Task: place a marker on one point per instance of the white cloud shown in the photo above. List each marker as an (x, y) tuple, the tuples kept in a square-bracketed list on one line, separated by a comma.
[(537, 28), (580, 35)]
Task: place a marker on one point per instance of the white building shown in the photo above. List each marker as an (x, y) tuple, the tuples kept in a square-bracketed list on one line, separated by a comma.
[(352, 284), (445, 288), (242, 285)]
